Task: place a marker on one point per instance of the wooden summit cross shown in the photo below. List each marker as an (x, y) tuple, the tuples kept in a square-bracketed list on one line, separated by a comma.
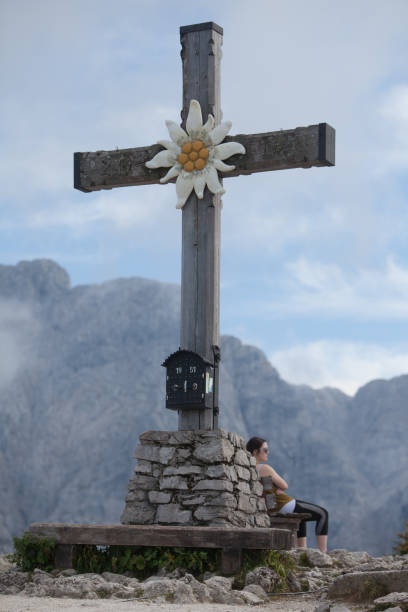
[(302, 147)]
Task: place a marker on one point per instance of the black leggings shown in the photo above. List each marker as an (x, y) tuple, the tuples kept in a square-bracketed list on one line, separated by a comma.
[(319, 514)]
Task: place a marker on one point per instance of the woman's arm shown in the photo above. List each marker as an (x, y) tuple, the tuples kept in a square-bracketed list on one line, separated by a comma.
[(278, 481)]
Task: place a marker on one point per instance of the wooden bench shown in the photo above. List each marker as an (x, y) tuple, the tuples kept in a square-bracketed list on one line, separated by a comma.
[(231, 541)]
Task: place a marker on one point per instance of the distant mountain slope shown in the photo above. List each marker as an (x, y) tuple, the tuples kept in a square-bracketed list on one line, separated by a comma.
[(80, 379)]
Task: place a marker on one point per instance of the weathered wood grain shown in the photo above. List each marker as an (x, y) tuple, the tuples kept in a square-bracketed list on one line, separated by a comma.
[(231, 561), (158, 535), (200, 267), (302, 147)]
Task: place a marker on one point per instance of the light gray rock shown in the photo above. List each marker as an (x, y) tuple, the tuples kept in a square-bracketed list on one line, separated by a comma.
[(143, 467), (294, 585), (316, 558), (391, 599), (160, 437), (243, 473), (5, 563), (12, 581), (136, 496), (119, 578), (182, 437), (140, 481), (250, 598), (222, 499), (173, 514), (158, 454), (220, 589), (257, 590), (362, 586), (237, 441), (256, 487), (200, 590), (159, 497), (193, 500), (346, 558), (246, 503), (266, 577), (174, 483), (261, 504), (182, 470), (213, 485), (324, 607), (217, 450), (222, 471), (160, 587), (243, 487), (262, 520), (241, 457), (141, 514), (184, 593), (214, 513), (70, 572)]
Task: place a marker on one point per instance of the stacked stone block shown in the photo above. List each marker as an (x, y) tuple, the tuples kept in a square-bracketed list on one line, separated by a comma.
[(198, 477)]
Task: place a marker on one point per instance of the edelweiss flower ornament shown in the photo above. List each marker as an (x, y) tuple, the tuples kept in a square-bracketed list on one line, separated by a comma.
[(196, 155)]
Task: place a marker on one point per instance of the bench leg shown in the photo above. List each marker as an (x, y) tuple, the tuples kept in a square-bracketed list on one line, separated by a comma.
[(64, 554), (231, 560)]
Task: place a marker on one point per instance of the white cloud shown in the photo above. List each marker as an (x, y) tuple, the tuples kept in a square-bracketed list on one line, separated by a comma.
[(394, 110), (344, 365), (328, 290), (123, 209)]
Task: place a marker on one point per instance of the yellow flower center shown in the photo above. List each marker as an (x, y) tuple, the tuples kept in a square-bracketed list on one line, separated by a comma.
[(194, 156)]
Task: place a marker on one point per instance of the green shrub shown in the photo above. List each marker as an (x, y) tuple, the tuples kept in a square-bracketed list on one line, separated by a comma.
[(275, 559), (143, 561), (401, 548), (34, 552), (304, 560)]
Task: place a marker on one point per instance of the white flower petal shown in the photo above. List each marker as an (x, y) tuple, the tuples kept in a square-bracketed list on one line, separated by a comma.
[(219, 165), (227, 149), (219, 133), (212, 181), (171, 146), (172, 173), (207, 128), (184, 186), (199, 185), (163, 159), (177, 134), (194, 121)]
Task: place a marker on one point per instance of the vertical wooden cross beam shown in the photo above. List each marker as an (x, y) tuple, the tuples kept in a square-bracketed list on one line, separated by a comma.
[(200, 267)]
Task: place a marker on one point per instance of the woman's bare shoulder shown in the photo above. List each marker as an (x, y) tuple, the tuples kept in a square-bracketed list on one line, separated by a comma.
[(266, 470)]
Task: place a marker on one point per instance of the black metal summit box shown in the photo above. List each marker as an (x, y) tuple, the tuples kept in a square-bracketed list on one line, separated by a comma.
[(189, 381)]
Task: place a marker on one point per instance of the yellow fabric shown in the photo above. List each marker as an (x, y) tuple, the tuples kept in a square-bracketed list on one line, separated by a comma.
[(281, 499)]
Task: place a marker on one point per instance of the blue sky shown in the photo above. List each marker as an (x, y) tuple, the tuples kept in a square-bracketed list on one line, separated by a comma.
[(314, 262)]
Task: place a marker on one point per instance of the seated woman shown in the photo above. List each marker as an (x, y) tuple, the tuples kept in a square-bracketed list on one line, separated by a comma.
[(258, 448)]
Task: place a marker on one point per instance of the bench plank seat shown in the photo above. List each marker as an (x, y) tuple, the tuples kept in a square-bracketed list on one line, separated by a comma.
[(230, 540)]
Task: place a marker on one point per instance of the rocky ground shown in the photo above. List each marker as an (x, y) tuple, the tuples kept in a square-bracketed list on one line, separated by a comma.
[(337, 581)]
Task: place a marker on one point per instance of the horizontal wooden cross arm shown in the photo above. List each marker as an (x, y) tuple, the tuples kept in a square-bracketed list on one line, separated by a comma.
[(302, 147)]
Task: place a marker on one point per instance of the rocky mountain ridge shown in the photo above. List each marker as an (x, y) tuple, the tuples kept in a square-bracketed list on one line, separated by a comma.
[(80, 379)]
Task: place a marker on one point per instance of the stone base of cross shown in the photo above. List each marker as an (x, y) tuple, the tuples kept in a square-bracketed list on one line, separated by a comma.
[(302, 147)]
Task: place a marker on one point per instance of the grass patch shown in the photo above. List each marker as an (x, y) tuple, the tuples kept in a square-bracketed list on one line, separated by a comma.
[(277, 560)]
